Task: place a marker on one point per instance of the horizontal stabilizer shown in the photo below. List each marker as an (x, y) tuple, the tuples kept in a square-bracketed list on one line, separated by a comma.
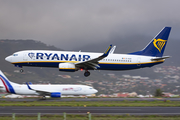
[(160, 58)]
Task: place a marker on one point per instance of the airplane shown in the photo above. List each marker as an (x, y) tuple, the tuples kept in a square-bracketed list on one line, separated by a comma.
[(66, 61), (54, 90)]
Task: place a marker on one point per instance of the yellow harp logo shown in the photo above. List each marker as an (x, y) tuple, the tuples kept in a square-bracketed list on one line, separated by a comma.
[(159, 44)]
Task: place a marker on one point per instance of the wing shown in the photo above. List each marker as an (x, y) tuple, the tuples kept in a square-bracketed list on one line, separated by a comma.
[(41, 92), (93, 63)]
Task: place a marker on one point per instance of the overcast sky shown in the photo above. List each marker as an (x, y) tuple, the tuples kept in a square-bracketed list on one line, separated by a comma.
[(69, 24)]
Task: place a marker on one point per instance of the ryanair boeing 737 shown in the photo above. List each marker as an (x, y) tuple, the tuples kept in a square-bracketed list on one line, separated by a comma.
[(151, 55)]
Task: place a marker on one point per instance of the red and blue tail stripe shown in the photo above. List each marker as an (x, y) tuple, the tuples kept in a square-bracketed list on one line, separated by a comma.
[(7, 85)]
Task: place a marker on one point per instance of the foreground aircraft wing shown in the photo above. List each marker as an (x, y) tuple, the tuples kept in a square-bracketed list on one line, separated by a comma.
[(40, 91), (93, 63), (160, 58)]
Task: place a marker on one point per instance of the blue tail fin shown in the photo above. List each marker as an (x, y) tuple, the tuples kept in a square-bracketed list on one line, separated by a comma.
[(157, 46)]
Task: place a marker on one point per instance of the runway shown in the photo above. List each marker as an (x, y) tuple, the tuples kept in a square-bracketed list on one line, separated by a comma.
[(89, 99), (92, 110)]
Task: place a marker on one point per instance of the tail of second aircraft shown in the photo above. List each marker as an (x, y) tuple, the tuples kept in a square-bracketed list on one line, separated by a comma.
[(157, 46), (5, 83)]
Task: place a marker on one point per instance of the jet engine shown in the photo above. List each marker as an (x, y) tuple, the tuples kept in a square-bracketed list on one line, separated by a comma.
[(68, 67), (56, 95)]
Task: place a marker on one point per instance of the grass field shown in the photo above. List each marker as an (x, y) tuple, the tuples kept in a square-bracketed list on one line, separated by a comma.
[(124, 103), (94, 117)]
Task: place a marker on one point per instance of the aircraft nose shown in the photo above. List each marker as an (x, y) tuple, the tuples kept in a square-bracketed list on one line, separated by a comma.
[(95, 91), (8, 58)]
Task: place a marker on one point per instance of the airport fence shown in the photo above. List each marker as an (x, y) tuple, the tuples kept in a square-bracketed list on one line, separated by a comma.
[(86, 116), (64, 116)]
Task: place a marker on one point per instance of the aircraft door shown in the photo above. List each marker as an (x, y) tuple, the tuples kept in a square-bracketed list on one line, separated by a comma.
[(25, 56), (138, 61)]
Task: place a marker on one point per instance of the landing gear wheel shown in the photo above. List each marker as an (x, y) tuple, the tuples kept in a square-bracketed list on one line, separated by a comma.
[(21, 70), (44, 97), (87, 73)]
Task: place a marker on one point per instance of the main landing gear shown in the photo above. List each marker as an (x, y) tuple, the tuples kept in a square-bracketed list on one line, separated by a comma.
[(43, 97), (87, 73)]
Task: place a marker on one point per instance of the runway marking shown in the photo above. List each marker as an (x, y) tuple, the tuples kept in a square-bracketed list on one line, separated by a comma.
[(98, 113), (78, 108)]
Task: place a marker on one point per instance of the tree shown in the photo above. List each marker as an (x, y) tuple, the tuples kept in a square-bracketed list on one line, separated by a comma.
[(158, 93)]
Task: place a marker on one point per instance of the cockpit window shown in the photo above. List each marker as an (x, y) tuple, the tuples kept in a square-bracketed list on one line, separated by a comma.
[(15, 54), (90, 88)]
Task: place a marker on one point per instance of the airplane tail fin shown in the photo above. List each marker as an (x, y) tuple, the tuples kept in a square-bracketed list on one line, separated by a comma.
[(157, 45), (6, 83)]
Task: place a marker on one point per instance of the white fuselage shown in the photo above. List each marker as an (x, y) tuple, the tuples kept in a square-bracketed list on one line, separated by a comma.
[(46, 58), (42, 90), (66, 61), (63, 89)]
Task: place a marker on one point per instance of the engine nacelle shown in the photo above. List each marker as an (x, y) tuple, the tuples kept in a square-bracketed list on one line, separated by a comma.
[(56, 95), (68, 67)]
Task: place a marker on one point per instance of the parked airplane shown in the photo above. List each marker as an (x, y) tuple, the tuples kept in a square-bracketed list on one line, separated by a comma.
[(43, 90), (151, 55)]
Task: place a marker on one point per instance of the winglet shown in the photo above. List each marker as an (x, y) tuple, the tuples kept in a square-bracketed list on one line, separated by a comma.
[(28, 86), (107, 51), (112, 50)]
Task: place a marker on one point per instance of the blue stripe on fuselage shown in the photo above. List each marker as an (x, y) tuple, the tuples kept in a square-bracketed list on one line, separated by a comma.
[(125, 66), (103, 66)]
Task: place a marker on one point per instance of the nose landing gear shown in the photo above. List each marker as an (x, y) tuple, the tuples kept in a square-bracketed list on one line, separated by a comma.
[(21, 70), (86, 73)]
